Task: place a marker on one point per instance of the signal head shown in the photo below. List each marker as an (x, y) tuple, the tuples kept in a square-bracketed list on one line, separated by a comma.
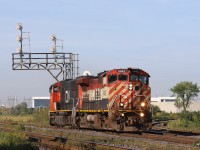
[(53, 37), (53, 49), (19, 38), (19, 50), (19, 26)]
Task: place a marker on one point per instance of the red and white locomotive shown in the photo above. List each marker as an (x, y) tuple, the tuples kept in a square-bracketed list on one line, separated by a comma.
[(118, 99)]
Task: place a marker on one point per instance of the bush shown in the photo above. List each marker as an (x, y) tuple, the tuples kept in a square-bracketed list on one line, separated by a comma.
[(187, 120), (41, 115), (20, 109), (185, 115), (196, 143), (155, 109), (193, 117), (16, 141), (161, 116), (196, 117)]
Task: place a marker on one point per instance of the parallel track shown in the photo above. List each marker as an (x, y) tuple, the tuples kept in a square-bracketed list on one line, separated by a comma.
[(54, 137)]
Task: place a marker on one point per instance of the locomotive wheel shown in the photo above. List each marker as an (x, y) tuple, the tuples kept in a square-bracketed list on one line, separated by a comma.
[(145, 127)]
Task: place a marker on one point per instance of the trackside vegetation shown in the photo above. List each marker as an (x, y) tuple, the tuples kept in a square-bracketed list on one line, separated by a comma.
[(27, 115), (188, 121), (15, 141), (185, 120), (20, 113)]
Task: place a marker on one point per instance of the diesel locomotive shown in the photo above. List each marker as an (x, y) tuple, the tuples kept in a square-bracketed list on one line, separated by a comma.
[(117, 99)]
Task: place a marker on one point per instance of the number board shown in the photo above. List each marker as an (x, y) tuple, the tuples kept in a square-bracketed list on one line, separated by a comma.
[(121, 70)]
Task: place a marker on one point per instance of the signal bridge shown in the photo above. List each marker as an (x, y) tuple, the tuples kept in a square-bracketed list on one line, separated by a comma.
[(56, 63)]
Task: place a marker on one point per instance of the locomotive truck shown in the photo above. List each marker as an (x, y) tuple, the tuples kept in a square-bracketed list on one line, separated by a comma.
[(117, 99)]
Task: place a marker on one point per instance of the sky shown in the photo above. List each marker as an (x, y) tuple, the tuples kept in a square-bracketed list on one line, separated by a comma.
[(161, 37)]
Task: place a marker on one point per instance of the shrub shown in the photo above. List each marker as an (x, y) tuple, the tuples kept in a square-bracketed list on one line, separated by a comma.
[(155, 109), (16, 141), (196, 143), (41, 115), (161, 116), (187, 121), (186, 115), (20, 109)]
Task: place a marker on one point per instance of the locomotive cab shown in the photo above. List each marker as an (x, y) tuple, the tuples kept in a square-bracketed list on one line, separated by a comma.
[(54, 96)]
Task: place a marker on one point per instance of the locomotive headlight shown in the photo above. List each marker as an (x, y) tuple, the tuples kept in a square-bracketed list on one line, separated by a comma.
[(143, 104), (122, 114), (121, 104), (141, 114), (130, 87)]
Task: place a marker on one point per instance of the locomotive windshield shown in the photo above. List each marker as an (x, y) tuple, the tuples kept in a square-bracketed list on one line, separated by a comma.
[(122, 77), (133, 77), (112, 78), (142, 78), (55, 89)]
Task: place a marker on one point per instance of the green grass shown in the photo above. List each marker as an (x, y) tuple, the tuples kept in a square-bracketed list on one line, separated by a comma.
[(15, 141), (40, 117), (24, 118), (184, 125)]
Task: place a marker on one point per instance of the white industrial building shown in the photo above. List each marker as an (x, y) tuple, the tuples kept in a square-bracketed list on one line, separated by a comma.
[(40, 102), (167, 104), (163, 99)]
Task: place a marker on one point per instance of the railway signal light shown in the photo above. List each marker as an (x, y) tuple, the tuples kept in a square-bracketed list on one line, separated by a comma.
[(53, 37), (21, 37), (55, 40), (19, 26)]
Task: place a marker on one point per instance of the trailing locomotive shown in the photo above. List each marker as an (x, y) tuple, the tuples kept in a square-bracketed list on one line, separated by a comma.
[(118, 99)]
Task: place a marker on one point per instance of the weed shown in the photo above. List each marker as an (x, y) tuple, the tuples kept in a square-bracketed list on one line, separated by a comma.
[(16, 141), (196, 143)]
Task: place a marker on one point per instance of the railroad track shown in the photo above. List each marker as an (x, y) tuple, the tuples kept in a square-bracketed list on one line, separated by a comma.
[(60, 142), (61, 138)]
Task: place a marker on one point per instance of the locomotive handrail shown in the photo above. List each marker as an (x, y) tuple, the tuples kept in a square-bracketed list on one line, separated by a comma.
[(77, 102), (113, 101)]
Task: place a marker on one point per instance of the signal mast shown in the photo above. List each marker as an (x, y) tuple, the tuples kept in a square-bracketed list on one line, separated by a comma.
[(58, 64)]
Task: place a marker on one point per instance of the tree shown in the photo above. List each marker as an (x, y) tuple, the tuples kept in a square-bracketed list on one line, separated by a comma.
[(155, 109), (185, 91), (20, 109)]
